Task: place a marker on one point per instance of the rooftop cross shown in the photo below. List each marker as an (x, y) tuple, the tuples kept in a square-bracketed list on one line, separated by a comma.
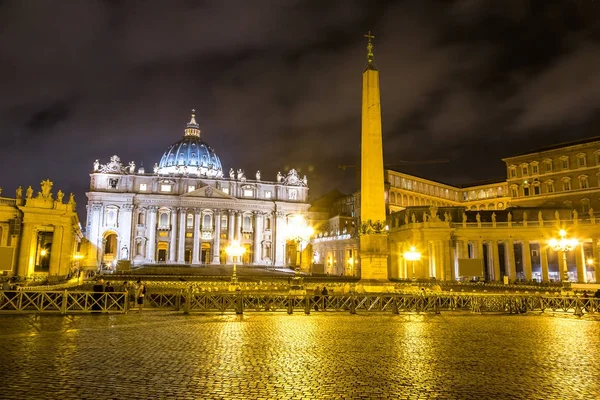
[(369, 47)]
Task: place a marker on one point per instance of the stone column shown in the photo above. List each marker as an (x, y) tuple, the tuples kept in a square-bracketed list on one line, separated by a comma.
[(27, 247), (447, 260), (580, 263), (258, 228), (125, 225), (151, 248), (527, 260), (230, 231), (464, 249), (279, 242), (238, 226), (173, 241), (479, 253), (544, 262), (197, 233), (94, 234), (510, 259), (182, 227), (496, 260), (216, 259)]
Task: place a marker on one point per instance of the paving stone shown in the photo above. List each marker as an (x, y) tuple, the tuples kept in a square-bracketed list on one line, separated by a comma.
[(321, 356)]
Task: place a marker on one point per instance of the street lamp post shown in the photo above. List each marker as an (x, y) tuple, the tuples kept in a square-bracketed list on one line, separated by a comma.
[(234, 250), (299, 231), (412, 255), (563, 244)]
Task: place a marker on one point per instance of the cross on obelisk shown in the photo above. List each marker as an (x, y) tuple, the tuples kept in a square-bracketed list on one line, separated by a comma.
[(369, 47)]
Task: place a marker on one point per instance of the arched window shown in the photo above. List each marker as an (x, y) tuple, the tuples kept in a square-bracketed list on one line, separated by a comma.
[(141, 218), (189, 221), (247, 223), (207, 221), (268, 223)]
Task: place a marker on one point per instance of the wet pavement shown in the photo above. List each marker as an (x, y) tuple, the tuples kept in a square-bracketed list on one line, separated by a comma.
[(162, 355)]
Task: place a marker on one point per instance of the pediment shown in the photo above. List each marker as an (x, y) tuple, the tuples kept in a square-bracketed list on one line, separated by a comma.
[(208, 192)]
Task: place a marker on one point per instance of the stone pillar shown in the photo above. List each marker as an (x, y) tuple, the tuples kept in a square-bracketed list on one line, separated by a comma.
[(216, 259), (238, 226), (173, 241), (464, 253), (544, 262), (182, 227), (94, 234), (279, 242), (27, 249), (510, 260), (447, 256), (422, 266), (230, 232), (527, 260), (197, 233), (496, 260), (151, 248), (580, 263), (258, 228), (57, 238), (479, 253), (125, 224)]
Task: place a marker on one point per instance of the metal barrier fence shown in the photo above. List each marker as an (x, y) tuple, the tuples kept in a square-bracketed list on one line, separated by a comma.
[(63, 302), (239, 302)]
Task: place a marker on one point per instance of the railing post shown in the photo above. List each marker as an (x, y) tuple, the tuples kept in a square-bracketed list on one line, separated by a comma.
[(436, 306), (65, 297), (395, 304), (239, 309), (290, 305), (353, 303), (20, 294), (188, 301), (307, 304), (178, 301), (126, 303)]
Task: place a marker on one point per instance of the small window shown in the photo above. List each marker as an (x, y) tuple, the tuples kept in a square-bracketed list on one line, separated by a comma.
[(566, 186), (224, 222), (191, 188), (550, 187), (525, 170), (585, 205), (513, 173), (535, 253), (189, 221), (292, 194), (268, 195), (583, 182), (564, 163), (225, 190), (548, 164), (536, 189), (525, 190), (513, 191), (597, 154), (165, 188), (163, 221), (248, 192), (534, 169), (581, 161), (207, 221), (143, 187)]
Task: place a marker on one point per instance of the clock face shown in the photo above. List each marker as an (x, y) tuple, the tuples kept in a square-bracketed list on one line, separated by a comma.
[(500, 205)]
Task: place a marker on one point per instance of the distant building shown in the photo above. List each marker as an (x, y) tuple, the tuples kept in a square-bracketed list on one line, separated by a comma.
[(40, 234), (186, 210)]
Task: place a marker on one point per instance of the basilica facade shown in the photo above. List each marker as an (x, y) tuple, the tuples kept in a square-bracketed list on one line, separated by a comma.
[(186, 210)]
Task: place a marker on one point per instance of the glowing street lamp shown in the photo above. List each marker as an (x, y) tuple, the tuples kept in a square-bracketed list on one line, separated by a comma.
[(563, 244), (299, 231), (234, 250), (412, 255)]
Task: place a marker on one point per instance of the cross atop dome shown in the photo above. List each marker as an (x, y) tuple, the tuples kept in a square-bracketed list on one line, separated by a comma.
[(193, 129)]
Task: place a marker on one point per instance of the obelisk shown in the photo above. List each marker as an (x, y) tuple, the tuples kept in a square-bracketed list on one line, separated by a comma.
[(373, 230)]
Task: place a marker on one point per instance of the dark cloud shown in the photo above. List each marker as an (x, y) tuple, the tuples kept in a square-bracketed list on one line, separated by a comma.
[(276, 84)]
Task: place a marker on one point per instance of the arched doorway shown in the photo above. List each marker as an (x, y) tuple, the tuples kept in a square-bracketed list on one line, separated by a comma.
[(162, 249), (110, 250), (206, 253)]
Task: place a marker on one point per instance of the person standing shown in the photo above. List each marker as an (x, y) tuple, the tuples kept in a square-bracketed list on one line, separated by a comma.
[(324, 295), (317, 294), (140, 294)]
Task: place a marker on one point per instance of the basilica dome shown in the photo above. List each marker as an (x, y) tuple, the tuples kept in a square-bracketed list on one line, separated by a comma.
[(191, 156)]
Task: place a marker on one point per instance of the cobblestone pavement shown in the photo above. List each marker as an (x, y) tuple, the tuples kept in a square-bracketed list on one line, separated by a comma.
[(161, 355)]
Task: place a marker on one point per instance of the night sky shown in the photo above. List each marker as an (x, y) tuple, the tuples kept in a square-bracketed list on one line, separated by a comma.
[(276, 84)]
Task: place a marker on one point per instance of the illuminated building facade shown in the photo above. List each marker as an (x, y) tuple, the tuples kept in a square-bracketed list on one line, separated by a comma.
[(507, 224), (39, 234), (186, 210)]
